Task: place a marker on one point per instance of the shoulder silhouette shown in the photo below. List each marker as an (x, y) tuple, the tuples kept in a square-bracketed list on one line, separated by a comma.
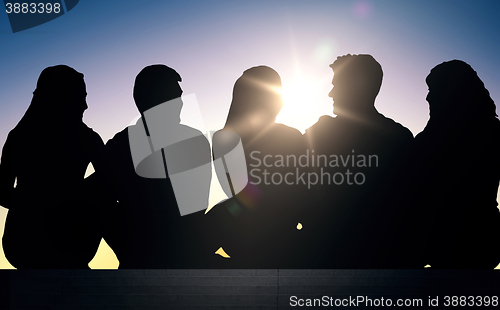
[(51, 223), (457, 172), (356, 156), (256, 224), (161, 170)]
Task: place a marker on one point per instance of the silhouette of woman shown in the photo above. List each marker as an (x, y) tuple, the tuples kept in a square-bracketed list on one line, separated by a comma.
[(458, 171), (257, 222), (49, 223)]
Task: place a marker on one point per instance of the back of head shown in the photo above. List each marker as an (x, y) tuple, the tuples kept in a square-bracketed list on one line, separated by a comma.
[(57, 81), (358, 79), (156, 84), (256, 96), (59, 95), (456, 90)]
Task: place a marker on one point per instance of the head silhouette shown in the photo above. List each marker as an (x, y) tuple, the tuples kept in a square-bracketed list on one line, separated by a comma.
[(455, 90), (256, 99), (356, 83), (157, 84), (60, 96)]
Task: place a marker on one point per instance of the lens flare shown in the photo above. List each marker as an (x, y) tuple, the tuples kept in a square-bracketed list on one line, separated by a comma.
[(305, 99), (362, 9)]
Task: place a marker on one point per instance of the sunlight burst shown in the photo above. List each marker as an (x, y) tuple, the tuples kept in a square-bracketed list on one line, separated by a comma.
[(305, 100)]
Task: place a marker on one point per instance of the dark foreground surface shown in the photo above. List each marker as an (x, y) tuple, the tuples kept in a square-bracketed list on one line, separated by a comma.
[(249, 289)]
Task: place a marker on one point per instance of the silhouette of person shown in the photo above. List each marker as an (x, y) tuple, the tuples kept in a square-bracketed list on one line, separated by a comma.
[(457, 172), (154, 190), (356, 152), (257, 225), (50, 223)]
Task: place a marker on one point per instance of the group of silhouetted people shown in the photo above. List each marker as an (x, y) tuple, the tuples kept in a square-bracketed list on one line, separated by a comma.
[(380, 199)]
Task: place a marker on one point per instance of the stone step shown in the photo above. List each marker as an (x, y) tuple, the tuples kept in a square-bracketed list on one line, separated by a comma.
[(389, 281), (170, 290), (167, 300), (228, 289), (60, 307), (172, 281)]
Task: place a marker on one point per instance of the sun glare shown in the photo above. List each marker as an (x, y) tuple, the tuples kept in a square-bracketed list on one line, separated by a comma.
[(305, 100)]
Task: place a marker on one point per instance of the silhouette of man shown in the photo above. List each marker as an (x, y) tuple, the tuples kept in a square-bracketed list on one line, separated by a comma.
[(352, 219), (147, 230)]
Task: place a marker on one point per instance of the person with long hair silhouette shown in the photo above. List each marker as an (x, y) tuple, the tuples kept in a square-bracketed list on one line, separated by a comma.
[(457, 171), (257, 224), (50, 223), (354, 219)]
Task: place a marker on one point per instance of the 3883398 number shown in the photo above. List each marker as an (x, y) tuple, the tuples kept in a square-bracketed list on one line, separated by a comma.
[(24, 8), (470, 301)]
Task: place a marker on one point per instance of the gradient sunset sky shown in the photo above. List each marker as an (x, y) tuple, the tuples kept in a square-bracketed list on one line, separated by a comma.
[(211, 43)]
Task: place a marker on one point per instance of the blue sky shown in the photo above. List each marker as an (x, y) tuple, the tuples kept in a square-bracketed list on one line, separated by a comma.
[(211, 43)]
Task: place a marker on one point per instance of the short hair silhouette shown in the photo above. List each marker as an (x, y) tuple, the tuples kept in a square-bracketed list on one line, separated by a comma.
[(357, 80), (352, 223), (154, 85), (156, 236), (473, 98)]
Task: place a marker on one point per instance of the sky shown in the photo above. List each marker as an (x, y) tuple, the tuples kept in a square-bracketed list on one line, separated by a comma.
[(211, 43)]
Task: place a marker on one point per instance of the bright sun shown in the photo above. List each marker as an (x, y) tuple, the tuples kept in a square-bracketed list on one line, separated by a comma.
[(305, 100)]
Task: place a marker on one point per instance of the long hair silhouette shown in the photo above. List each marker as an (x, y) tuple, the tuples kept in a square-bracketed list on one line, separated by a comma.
[(445, 101), (256, 224), (458, 172), (49, 224), (256, 101), (56, 86)]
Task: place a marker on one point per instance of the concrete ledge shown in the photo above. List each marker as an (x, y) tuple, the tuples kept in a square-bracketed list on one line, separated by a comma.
[(229, 288)]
